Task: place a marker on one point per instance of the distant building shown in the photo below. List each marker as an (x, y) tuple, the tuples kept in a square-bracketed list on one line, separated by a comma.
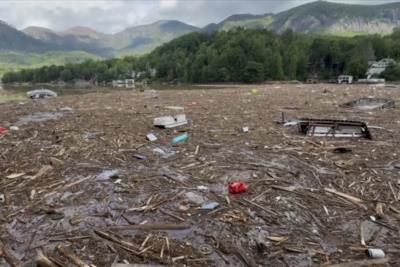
[(376, 68)]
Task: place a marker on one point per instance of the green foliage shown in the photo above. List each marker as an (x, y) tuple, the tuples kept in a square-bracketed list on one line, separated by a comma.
[(392, 73), (239, 55), (15, 61)]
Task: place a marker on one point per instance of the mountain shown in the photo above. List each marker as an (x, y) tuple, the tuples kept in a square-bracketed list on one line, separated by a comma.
[(13, 39), (240, 20), (138, 39), (323, 18), (77, 38), (318, 17), (339, 19), (146, 38)]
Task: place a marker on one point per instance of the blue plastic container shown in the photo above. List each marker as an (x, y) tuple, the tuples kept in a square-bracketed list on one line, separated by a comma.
[(180, 138)]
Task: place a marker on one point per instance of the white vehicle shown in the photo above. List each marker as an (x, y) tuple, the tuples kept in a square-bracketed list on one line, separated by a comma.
[(347, 79)]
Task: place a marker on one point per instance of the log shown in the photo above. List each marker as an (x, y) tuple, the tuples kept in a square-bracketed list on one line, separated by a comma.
[(70, 255), (42, 260), (156, 226)]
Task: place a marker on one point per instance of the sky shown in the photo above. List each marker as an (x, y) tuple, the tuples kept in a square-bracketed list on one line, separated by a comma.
[(111, 16)]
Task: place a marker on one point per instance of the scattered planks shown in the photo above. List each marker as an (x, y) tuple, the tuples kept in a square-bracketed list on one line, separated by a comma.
[(43, 261), (357, 201), (70, 255), (151, 226), (128, 246)]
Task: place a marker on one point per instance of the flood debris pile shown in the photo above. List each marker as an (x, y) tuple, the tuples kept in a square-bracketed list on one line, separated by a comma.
[(91, 188)]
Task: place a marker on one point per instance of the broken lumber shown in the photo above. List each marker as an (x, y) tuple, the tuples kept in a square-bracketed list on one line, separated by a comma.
[(354, 200), (42, 260), (155, 226), (70, 255)]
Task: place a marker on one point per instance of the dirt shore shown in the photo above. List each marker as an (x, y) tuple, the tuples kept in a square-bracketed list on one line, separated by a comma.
[(80, 180)]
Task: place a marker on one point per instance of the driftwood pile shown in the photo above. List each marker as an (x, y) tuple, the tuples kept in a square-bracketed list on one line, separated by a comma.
[(85, 188)]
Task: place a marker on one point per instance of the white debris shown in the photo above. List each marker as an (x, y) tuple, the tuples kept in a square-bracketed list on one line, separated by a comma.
[(151, 137), (41, 93), (170, 121), (291, 123)]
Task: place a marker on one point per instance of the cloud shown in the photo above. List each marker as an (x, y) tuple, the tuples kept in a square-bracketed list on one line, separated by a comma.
[(115, 15)]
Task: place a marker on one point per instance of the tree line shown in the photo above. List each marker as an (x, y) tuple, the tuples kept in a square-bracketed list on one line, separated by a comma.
[(238, 55)]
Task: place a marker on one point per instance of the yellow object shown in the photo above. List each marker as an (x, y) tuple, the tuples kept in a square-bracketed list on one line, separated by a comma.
[(254, 91)]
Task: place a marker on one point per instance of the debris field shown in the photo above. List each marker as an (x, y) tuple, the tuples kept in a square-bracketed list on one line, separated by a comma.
[(81, 184)]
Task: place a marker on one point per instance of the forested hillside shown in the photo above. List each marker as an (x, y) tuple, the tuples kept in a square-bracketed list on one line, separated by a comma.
[(239, 55)]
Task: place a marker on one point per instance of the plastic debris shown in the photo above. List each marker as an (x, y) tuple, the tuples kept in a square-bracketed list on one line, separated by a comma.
[(254, 91), (376, 253), (3, 130), (107, 174), (245, 129), (66, 109), (159, 151), (194, 197), (209, 205), (151, 137), (237, 187), (138, 156), (180, 138), (2, 198), (203, 188), (291, 123), (174, 108), (170, 121), (14, 128)]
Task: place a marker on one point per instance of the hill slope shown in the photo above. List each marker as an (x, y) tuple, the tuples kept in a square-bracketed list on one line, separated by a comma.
[(13, 39), (138, 39), (322, 17)]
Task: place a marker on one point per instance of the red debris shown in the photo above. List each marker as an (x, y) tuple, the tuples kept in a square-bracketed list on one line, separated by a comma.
[(3, 130), (237, 187)]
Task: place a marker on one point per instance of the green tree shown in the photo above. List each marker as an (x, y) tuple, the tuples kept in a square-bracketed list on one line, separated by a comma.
[(254, 72), (66, 75)]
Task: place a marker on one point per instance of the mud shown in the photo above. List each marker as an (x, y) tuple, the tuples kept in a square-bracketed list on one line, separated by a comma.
[(79, 173)]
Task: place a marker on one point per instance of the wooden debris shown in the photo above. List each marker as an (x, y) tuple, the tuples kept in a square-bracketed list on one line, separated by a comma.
[(70, 255), (379, 209), (124, 244), (260, 207), (278, 238), (9, 256), (42, 260), (15, 175), (361, 263), (156, 226), (45, 169), (359, 202)]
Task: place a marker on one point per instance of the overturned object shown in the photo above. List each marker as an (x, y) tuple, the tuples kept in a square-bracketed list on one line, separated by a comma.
[(170, 121), (41, 93), (370, 103), (333, 128)]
